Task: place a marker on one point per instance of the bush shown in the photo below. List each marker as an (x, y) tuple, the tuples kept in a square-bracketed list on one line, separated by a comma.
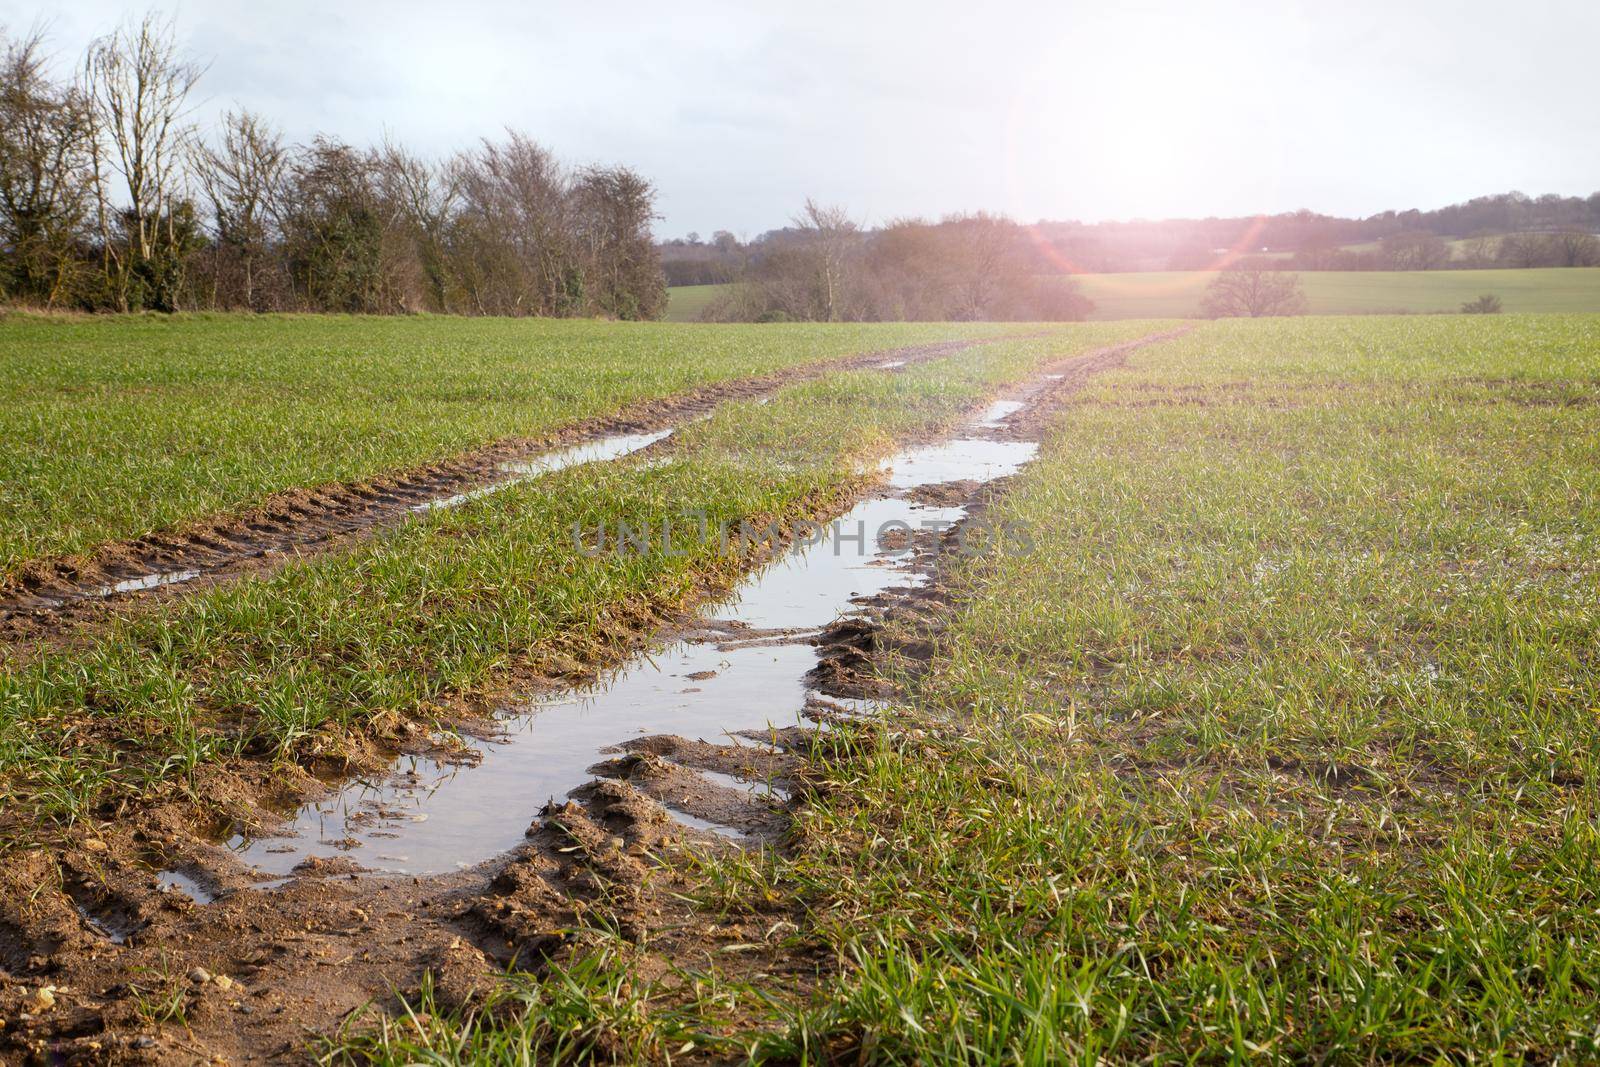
[(1487, 304)]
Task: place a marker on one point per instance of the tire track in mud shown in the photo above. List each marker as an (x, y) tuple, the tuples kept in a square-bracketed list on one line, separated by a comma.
[(253, 968), (44, 596), (752, 650)]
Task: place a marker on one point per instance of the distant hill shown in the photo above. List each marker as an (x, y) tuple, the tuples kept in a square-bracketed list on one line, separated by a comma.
[(1507, 230)]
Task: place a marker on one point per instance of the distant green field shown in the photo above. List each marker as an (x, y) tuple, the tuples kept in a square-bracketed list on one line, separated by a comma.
[(685, 302), (1176, 294), (1457, 245)]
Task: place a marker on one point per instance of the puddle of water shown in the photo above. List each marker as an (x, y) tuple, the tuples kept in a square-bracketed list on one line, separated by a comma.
[(891, 364), (431, 817), (146, 581), (998, 412), (809, 587), (697, 823), (760, 788), (594, 452), (182, 883), (608, 448), (113, 930), (471, 813), (954, 461)]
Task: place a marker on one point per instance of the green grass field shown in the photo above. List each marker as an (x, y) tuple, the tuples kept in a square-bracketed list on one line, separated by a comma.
[(436, 605), (1176, 294), (1281, 743), (1279, 740), (113, 427), (686, 302)]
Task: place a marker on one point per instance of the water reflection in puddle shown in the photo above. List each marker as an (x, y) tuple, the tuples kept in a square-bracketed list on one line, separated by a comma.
[(431, 816), (608, 448), (742, 785), (178, 882), (147, 581), (959, 461), (998, 412), (113, 928)]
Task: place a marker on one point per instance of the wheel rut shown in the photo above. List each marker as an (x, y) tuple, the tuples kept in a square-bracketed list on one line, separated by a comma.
[(246, 953), (47, 596)]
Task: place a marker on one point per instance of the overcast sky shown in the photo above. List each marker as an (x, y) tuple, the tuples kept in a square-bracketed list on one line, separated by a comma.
[(1049, 109)]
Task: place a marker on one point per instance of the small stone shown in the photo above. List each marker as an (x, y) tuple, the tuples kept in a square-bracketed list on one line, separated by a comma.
[(223, 982), (94, 844), (144, 1041), (199, 975), (618, 843), (41, 1001)]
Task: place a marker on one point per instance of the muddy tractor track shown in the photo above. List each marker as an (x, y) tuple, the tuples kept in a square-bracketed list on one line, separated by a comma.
[(46, 595), (158, 940)]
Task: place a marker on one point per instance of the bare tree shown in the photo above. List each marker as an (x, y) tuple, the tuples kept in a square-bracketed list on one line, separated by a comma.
[(423, 196), (45, 130), (613, 212), (1575, 247), (1480, 250), (830, 237), (138, 86), (243, 175), (515, 252), (981, 253), (333, 229), (965, 267), (1253, 294), (909, 277), (1528, 250)]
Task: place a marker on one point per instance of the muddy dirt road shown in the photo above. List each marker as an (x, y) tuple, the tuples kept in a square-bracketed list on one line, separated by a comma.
[(167, 942)]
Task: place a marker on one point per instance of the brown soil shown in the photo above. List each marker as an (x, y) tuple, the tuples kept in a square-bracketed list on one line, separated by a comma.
[(138, 974), (255, 975)]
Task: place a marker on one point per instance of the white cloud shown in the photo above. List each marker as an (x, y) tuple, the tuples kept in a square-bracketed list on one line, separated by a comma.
[(1056, 109)]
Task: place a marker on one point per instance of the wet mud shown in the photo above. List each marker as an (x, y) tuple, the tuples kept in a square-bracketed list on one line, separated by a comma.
[(167, 941)]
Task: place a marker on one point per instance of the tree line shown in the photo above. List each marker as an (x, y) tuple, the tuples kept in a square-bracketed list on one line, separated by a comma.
[(112, 199), (826, 267), (1571, 246), (1506, 230)]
